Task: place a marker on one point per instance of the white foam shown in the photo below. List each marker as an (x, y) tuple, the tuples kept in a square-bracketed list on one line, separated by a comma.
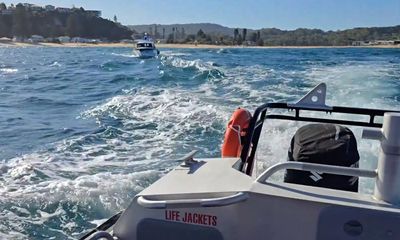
[(11, 235), (170, 110), (98, 222), (80, 170), (20, 210), (356, 84), (174, 54), (183, 63), (45, 216), (222, 50), (8, 70), (85, 189), (130, 55)]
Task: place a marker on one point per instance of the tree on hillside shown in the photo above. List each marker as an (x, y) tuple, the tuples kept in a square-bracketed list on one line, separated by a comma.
[(260, 42), (73, 26), (115, 19), (239, 40), (163, 33), (177, 33), (55, 31), (253, 37), (20, 22), (235, 34), (156, 34), (3, 28), (3, 6), (190, 38), (244, 33), (170, 38), (183, 34), (221, 40), (201, 34)]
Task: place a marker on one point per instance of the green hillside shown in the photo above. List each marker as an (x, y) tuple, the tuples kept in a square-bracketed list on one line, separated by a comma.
[(24, 22)]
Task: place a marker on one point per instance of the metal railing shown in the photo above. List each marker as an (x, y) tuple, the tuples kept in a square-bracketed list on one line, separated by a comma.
[(320, 168), (181, 203), (260, 115)]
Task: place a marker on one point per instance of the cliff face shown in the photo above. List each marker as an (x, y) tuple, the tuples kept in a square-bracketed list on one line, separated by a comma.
[(77, 23)]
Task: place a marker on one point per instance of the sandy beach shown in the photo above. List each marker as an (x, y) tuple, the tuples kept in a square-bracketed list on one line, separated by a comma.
[(231, 46), (19, 44)]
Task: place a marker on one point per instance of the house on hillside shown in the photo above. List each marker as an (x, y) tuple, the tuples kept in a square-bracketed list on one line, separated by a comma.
[(80, 40), (360, 43), (33, 8), (27, 5), (5, 40), (64, 10), (8, 11), (128, 41), (36, 8), (36, 39), (50, 8), (384, 42), (94, 13), (64, 39), (137, 35), (375, 42), (17, 39), (51, 40)]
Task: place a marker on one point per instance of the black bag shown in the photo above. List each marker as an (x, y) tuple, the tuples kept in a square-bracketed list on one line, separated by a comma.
[(324, 144)]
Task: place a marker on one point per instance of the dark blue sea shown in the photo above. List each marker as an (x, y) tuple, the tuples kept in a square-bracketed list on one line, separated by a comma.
[(82, 130)]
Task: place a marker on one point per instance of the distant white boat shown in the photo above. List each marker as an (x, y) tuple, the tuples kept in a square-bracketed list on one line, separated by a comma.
[(146, 48)]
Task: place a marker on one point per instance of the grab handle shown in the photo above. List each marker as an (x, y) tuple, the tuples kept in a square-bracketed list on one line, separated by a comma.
[(180, 203), (346, 171)]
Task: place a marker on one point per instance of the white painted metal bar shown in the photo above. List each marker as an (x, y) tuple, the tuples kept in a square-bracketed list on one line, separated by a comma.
[(387, 186), (346, 171), (179, 203)]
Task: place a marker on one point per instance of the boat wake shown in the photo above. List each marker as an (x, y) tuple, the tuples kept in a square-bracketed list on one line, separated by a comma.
[(131, 55), (126, 121)]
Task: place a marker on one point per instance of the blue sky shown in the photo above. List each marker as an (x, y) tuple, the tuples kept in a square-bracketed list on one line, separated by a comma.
[(283, 14)]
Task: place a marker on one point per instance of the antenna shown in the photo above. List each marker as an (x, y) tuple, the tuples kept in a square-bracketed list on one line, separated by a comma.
[(314, 99)]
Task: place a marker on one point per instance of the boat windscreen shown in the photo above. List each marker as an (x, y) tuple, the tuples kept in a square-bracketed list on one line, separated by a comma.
[(144, 45)]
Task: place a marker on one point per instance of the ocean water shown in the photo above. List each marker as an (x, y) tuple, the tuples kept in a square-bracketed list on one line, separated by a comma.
[(82, 130)]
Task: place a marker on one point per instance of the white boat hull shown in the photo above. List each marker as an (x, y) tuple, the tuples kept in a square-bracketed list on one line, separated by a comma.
[(186, 204), (147, 53)]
